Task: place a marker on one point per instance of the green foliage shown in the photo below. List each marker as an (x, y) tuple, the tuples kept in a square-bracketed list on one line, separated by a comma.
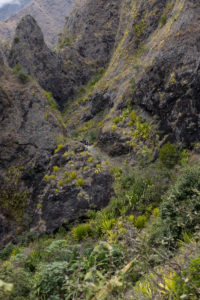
[(60, 146), (21, 280), (49, 177), (163, 20), (13, 198), (16, 39), (50, 279), (90, 159), (57, 251), (91, 135), (5, 288), (140, 222), (188, 282), (69, 176), (56, 169), (81, 231), (23, 77), (181, 205), (116, 120), (17, 68), (179, 211), (140, 28), (50, 100), (169, 155), (80, 182), (5, 252)]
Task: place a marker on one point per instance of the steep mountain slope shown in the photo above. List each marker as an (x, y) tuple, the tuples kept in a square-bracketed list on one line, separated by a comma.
[(132, 110), (144, 71), (50, 15), (74, 68), (11, 7), (93, 137), (44, 185)]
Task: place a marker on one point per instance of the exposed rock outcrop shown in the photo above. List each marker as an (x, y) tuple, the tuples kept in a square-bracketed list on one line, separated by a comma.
[(155, 67), (149, 93), (50, 15), (40, 188), (30, 51)]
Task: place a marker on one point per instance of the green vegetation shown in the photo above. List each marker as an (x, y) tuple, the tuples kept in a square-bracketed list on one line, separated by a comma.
[(80, 182), (169, 155), (13, 197), (60, 146), (50, 100), (145, 244), (21, 75), (16, 39), (56, 169), (117, 249), (81, 232)]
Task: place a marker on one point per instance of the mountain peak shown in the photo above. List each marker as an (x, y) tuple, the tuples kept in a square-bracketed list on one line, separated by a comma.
[(49, 14), (29, 30)]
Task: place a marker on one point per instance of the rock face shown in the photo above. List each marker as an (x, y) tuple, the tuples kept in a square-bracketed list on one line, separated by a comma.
[(170, 86), (29, 199), (50, 14), (147, 94), (156, 65), (91, 29), (30, 51), (26, 143), (83, 50)]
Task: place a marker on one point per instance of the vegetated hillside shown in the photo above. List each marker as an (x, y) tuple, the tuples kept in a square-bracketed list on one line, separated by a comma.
[(10, 9), (99, 164), (50, 15)]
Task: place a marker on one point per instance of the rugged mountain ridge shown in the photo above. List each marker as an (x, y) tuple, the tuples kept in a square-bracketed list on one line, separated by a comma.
[(145, 96), (99, 161), (49, 14)]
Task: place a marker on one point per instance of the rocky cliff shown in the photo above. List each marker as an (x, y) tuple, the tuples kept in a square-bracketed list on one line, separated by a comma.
[(92, 138), (117, 74), (49, 14)]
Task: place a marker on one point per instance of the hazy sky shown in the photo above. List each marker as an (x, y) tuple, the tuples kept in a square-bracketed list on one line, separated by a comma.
[(3, 2)]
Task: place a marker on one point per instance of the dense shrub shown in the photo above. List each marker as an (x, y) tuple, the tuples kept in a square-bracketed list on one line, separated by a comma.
[(188, 282), (23, 77), (181, 205), (81, 231), (180, 209), (50, 279), (5, 252), (21, 280), (169, 155)]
